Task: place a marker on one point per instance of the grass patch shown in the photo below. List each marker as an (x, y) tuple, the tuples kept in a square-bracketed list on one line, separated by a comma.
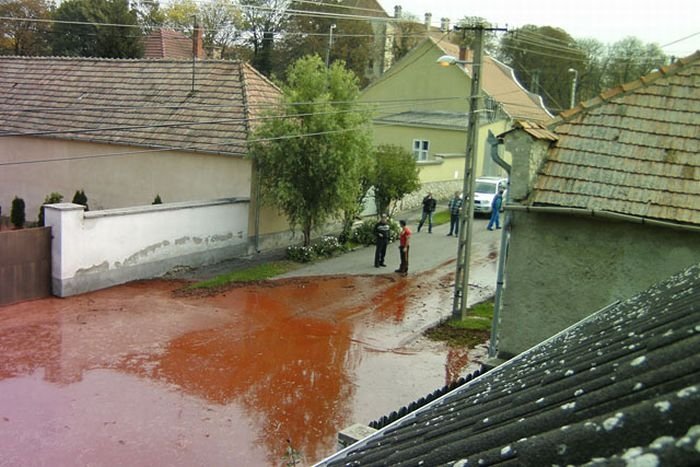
[(473, 330), (441, 217), (252, 274)]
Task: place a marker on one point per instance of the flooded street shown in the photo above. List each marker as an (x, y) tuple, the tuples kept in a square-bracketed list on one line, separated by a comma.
[(140, 375)]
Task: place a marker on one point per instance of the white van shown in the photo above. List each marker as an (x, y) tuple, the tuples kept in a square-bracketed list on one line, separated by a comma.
[(485, 189)]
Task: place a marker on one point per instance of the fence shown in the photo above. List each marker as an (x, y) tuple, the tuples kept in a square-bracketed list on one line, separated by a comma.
[(97, 249), (25, 264)]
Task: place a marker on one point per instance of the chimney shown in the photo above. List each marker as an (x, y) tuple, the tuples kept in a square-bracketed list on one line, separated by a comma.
[(445, 24), (397, 11), (428, 20), (197, 42)]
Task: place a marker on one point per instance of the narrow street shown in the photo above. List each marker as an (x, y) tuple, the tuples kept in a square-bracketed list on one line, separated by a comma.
[(141, 375)]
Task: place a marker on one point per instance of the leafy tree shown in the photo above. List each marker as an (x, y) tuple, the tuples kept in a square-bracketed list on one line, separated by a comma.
[(49, 199), (150, 16), (262, 19), (541, 58), (17, 214), (311, 157), (629, 59), (81, 198), (157, 200), (465, 37), (24, 37), (221, 21), (396, 175), (408, 33), (100, 37)]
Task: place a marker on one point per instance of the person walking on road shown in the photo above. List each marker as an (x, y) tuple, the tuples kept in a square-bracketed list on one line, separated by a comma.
[(404, 245), (496, 210), (454, 206), (381, 233), (429, 205)]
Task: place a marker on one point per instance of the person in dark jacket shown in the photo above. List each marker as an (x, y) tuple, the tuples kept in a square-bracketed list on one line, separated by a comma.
[(381, 233), (496, 210), (454, 206), (429, 205)]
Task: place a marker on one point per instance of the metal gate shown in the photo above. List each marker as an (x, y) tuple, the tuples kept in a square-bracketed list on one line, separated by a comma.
[(25, 264)]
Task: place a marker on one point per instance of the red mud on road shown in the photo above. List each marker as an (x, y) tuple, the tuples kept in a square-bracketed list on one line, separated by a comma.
[(138, 375)]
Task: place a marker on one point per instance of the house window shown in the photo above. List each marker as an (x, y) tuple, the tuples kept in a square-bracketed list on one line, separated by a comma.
[(420, 149)]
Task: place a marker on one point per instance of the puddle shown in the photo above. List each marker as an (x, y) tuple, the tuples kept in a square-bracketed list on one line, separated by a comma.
[(136, 375)]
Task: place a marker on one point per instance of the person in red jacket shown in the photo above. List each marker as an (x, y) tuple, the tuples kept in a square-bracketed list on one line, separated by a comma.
[(404, 244)]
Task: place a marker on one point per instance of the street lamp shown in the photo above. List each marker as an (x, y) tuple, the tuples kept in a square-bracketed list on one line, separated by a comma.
[(573, 87), (459, 304)]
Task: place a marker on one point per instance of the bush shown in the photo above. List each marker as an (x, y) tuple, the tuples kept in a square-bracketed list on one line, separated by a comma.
[(81, 198), (325, 246), (364, 233), (157, 200), (17, 215), (50, 199)]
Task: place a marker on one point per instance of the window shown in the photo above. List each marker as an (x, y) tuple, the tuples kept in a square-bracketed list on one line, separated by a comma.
[(420, 149)]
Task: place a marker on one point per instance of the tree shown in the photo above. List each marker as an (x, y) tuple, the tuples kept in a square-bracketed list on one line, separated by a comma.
[(81, 198), (465, 37), (396, 175), (408, 32), (149, 15), (541, 58), (262, 19), (49, 199), (311, 156), (19, 37), (629, 59), (17, 214), (108, 28)]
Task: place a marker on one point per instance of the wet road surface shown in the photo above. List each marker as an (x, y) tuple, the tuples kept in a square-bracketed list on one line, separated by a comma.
[(140, 375)]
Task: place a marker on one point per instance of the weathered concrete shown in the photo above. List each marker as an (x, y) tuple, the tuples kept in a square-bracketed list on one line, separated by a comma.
[(560, 268)]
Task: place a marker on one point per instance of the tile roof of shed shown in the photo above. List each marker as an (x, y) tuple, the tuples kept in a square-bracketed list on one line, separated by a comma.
[(146, 103), (623, 384), (634, 150), (499, 82)]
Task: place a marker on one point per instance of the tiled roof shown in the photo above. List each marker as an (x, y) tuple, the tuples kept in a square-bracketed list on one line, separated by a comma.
[(166, 43), (635, 149), (134, 102), (499, 82), (621, 386), (454, 120)]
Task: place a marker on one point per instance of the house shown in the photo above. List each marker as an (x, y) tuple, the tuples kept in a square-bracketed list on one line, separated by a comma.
[(604, 202), (126, 131), (621, 387), (423, 108)]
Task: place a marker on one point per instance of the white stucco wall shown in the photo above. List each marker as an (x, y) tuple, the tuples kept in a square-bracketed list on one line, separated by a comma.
[(97, 249)]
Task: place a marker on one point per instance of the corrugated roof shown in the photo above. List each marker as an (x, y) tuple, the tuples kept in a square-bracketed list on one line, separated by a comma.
[(133, 102), (621, 385), (634, 149), (452, 120), (498, 81)]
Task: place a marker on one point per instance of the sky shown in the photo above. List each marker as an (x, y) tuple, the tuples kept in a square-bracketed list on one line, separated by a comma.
[(651, 21)]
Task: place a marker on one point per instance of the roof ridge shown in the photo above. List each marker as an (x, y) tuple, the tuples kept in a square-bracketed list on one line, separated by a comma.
[(622, 89)]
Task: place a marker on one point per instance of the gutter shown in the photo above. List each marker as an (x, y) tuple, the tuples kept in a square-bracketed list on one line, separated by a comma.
[(602, 214), (494, 143)]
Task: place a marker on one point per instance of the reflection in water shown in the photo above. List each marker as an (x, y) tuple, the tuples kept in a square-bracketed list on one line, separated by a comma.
[(235, 375)]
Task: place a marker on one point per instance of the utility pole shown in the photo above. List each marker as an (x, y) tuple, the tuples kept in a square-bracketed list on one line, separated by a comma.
[(459, 304), (330, 44)]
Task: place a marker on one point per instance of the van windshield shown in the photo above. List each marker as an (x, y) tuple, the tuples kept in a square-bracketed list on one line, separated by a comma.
[(483, 187)]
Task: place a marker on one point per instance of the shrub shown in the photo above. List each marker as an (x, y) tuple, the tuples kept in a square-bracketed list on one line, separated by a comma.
[(364, 233), (50, 199), (17, 215), (325, 246), (81, 198), (157, 200)]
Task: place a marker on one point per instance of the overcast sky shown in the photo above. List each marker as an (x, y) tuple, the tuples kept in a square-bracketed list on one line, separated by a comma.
[(659, 21)]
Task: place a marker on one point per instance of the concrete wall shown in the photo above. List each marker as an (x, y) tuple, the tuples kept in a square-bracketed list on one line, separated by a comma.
[(560, 269), (97, 249)]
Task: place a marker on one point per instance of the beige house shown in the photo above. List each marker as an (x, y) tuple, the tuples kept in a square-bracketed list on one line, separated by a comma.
[(423, 107), (126, 131), (604, 202)]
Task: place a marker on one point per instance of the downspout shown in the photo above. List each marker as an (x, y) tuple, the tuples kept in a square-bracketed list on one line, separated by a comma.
[(494, 143)]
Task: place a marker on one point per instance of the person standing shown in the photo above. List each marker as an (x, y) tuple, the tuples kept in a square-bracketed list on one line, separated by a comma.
[(429, 205), (404, 245), (381, 233), (454, 206), (496, 210)]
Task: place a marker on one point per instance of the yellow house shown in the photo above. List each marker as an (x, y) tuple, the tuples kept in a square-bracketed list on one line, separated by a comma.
[(423, 107)]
